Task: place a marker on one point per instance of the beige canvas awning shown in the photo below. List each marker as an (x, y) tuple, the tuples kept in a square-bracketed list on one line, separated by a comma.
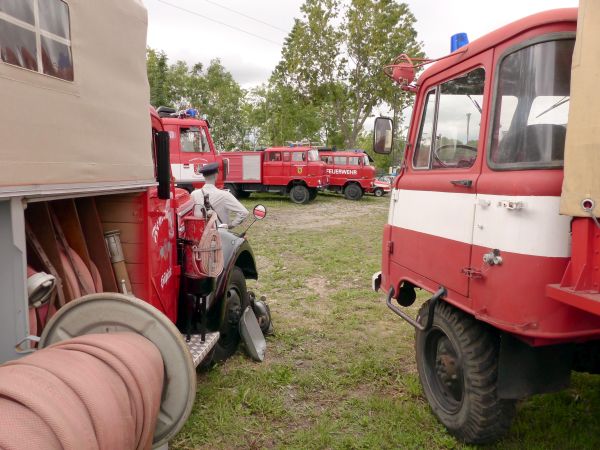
[(93, 130), (582, 151)]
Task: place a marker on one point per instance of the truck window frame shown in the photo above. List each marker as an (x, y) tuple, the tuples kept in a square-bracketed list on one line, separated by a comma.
[(435, 90), (44, 38), (503, 167)]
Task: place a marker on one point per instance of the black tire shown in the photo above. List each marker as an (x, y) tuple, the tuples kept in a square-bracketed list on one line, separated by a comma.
[(353, 192), (378, 192), (188, 187), (457, 360), (312, 194), (243, 194), (233, 189), (235, 303), (299, 194)]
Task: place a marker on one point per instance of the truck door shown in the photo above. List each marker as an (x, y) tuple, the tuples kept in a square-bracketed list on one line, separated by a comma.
[(337, 176), (518, 192), (194, 152), (433, 206), (298, 165), (273, 169)]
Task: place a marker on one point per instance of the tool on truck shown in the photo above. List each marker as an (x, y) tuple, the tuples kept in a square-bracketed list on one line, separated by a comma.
[(480, 216), (94, 237), (191, 147), (350, 172), (296, 171)]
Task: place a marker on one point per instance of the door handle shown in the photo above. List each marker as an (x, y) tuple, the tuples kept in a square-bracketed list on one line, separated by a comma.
[(464, 183)]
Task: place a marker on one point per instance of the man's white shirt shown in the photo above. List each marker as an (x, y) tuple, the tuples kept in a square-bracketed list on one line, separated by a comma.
[(223, 203)]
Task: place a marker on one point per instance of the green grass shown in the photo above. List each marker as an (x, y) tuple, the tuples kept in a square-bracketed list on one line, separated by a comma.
[(340, 371)]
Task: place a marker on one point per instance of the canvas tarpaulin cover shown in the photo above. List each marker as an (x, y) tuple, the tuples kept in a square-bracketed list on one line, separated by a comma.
[(92, 130), (582, 150)]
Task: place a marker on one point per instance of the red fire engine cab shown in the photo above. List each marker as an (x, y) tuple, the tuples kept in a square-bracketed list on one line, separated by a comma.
[(349, 172), (475, 218), (294, 171), (191, 147)]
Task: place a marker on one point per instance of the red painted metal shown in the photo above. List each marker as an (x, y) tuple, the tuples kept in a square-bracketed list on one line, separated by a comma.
[(341, 174)]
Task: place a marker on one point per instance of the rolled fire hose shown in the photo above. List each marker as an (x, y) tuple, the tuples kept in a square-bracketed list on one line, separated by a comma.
[(97, 391)]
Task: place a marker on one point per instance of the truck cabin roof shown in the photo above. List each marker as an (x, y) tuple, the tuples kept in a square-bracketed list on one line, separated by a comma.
[(289, 149), (503, 34)]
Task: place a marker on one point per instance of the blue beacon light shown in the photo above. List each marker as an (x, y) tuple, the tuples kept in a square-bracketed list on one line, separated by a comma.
[(457, 41)]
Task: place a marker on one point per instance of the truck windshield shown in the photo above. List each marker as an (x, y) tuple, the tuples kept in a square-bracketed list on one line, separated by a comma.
[(532, 106), (366, 160), (313, 155), (193, 140)]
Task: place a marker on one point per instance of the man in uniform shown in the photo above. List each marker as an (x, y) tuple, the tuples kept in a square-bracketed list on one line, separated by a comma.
[(222, 202)]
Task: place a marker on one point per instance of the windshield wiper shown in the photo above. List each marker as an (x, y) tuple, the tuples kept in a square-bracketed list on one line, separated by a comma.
[(475, 103), (556, 105)]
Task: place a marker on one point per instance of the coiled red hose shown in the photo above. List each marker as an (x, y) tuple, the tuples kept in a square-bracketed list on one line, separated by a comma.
[(98, 391)]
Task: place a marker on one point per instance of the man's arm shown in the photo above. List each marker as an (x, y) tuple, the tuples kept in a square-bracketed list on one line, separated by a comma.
[(234, 206)]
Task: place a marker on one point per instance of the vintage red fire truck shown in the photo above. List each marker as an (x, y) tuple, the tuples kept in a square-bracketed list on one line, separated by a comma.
[(476, 218), (295, 171), (94, 237), (350, 173), (191, 146)]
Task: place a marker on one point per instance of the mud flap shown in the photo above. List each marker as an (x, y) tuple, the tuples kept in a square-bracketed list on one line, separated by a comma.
[(524, 370), (256, 346)]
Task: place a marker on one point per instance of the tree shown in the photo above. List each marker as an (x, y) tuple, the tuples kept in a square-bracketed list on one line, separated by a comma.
[(334, 56), (158, 76)]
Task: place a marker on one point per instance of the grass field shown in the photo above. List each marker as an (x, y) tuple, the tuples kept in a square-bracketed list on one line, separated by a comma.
[(340, 370)]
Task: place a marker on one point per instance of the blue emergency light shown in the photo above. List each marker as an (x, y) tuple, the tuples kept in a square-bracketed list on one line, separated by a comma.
[(191, 112), (457, 41)]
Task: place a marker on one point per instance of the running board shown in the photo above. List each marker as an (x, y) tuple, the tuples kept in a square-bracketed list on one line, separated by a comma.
[(200, 350)]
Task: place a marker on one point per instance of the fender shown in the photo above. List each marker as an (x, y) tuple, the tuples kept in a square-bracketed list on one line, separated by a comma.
[(236, 252)]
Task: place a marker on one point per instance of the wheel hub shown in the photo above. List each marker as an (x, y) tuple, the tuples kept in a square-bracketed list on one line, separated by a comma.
[(446, 372)]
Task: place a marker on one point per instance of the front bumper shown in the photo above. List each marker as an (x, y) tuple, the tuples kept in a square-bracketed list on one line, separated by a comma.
[(376, 281)]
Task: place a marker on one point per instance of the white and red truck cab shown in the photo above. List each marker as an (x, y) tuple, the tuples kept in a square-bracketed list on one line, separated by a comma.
[(349, 172), (294, 171), (191, 146), (474, 218)]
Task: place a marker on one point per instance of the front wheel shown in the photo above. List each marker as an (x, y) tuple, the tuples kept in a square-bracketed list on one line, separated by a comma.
[(299, 194), (457, 360), (235, 303), (353, 192), (312, 194), (378, 192)]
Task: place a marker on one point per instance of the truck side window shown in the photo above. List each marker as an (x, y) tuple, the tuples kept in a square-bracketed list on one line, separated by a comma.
[(532, 106), (456, 127), (274, 156), (339, 160), (286, 156), (193, 140), (423, 147), (23, 22), (298, 156), (353, 160)]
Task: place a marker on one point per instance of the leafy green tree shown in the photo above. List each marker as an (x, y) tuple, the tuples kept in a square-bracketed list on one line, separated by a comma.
[(158, 76), (334, 56)]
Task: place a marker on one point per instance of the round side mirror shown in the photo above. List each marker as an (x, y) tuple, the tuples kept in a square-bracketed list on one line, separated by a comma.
[(260, 212)]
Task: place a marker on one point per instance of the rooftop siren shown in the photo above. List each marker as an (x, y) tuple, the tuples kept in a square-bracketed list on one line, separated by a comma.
[(457, 41)]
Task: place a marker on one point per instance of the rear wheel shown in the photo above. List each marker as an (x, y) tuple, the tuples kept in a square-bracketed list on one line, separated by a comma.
[(378, 192), (299, 194), (353, 192), (243, 194), (233, 189), (235, 303), (312, 194), (457, 360)]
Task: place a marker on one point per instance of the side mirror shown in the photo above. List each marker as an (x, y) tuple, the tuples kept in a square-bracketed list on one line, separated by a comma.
[(163, 165), (259, 212), (383, 137)]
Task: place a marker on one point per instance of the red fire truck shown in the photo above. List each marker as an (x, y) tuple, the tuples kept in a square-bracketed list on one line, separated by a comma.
[(349, 173), (191, 147), (476, 217), (294, 171), (94, 237)]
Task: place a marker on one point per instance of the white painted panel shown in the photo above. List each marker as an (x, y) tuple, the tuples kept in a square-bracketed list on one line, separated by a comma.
[(444, 214), (251, 167), (536, 228)]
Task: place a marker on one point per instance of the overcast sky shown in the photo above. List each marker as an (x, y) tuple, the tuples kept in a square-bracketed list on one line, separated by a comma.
[(251, 56)]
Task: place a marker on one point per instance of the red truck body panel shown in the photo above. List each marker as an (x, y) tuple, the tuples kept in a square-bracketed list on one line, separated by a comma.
[(344, 167)]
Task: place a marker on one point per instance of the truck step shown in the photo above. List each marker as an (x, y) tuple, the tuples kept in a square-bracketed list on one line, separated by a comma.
[(200, 350)]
